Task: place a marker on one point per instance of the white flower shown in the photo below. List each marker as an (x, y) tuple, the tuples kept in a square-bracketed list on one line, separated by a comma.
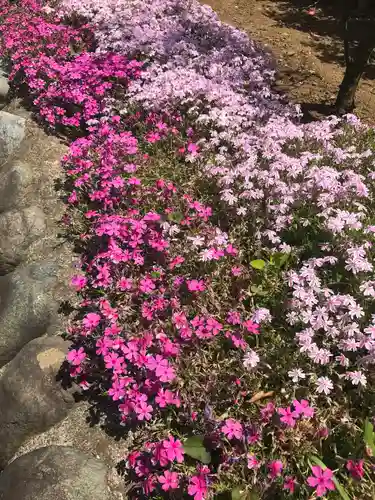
[(197, 241), (251, 359), (261, 315), (357, 377), (324, 384), (297, 375)]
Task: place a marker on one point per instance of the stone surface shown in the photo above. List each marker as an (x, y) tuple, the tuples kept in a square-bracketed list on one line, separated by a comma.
[(75, 430), (26, 306), (12, 132), (31, 399), (54, 473), (15, 180), (4, 87), (18, 230)]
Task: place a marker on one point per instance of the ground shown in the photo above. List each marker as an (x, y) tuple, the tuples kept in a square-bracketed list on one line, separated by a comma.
[(308, 49)]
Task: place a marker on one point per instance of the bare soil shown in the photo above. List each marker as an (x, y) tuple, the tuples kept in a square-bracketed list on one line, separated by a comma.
[(308, 49)]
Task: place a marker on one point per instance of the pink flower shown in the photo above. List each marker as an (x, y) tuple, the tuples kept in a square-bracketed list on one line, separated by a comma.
[(79, 282), (287, 416), (174, 449), (91, 321), (164, 371), (302, 409), (321, 480), (198, 487), (193, 148), (169, 480), (232, 429), (148, 485), (143, 411), (75, 357), (251, 327), (253, 462), (125, 284), (275, 468), (355, 468), (196, 285), (267, 412), (146, 285), (236, 271), (160, 454), (290, 484)]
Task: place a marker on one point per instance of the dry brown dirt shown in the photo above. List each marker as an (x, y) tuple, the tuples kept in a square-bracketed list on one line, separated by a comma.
[(308, 49)]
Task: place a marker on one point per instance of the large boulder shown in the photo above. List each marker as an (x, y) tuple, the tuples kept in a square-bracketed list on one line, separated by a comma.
[(18, 230), (26, 306), (54, 473), (12, 133), (31, 398), (4, 87), (15, 181)]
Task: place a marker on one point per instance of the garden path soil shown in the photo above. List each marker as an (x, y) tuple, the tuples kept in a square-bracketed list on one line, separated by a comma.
[(308, 50)]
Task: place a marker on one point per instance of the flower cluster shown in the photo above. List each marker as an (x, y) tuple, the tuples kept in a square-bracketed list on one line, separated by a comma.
[(226, 250)]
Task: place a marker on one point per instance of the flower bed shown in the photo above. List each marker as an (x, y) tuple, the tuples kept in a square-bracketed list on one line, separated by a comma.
[(226, 313)]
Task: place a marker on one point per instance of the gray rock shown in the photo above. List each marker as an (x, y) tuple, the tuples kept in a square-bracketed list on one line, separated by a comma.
[(31, 399), (4, 87), (54, 473), (12, 133), (26, 306), (15, 180), (18, 230)]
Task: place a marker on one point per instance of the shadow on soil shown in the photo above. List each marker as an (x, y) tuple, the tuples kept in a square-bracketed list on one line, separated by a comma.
[(325, 26)]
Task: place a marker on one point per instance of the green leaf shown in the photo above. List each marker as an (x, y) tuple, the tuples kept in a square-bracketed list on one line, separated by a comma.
[(368, 436), (258, 290), (175, 217), (258, 264), (279, 259), (193, 446), (343, 493), (240, 493)]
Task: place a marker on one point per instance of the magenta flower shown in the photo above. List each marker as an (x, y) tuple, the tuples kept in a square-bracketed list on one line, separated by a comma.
[(198, 487), (287, 416), (174, 449), (169, 480), (275, 468), (91, 321), (355, 468), (232, 429), (251, 327), (164, 371), (146, 285), (302, 409), (196, 285), (290, 484), (321, 480), (79, 282), (192, 148), (143, 411), (76, 356)]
